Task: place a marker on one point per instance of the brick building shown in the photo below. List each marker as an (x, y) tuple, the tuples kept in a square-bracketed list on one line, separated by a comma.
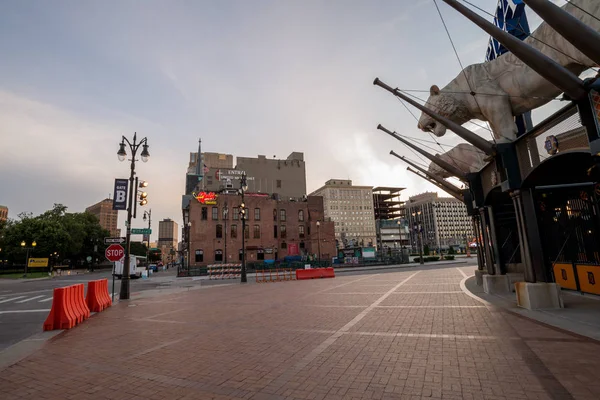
[(106, 215), (274, 229)]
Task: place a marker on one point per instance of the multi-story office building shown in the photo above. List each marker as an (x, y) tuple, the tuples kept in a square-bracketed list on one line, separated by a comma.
[(3, 213), (108, 217), (444, 221), (351, 210), (167, 238), (274, 229)]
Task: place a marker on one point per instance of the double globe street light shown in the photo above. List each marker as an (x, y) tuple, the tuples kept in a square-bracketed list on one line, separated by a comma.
[(243, 217), (24, 246), (144, 155)]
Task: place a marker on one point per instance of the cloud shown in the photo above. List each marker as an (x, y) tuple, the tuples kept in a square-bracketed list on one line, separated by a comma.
[(53, 155)]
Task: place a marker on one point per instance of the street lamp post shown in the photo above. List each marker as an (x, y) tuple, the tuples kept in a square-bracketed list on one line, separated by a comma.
[(319, 238), (419, 228), (122, 154), (24, 246), (243, 216), (225, 216), (188, 254), (148, 215)]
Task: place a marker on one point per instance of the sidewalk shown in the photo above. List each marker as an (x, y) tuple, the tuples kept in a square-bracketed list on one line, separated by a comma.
[(411, 333), (581, 314)]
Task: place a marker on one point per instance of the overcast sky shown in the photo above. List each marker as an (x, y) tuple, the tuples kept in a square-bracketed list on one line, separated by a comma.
[(248, 77)]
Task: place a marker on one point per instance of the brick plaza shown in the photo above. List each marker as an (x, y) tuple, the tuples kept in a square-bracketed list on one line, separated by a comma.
[(411, 334)]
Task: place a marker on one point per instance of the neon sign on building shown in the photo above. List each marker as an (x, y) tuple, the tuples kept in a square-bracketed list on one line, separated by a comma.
[(206, 197)]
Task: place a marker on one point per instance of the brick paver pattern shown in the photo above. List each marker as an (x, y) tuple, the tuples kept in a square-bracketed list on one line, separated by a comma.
[(403, 335)]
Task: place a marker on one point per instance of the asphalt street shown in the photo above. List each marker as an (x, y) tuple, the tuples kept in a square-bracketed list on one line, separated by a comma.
[(24, 304)]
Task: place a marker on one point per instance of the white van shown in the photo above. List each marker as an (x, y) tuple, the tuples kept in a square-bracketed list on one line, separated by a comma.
[(134, 271)]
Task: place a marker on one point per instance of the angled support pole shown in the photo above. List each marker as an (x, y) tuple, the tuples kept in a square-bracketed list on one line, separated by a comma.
[(584, 38), (455, 195), (453, 170)]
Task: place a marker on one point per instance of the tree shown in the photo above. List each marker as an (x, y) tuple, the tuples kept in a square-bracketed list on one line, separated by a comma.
[(72, 236), (138, 249), (451, 250)]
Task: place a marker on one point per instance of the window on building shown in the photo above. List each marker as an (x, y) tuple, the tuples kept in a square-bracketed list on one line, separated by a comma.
[(204, 213), (274, 215), (301, 215), (283, 245), (236, 213), (282, 215), (240, 255), (257, 214), (301, 231), (215, 213), (278, 183), (199, 256), (219, 255), (247, 232), (275, 231), (256, 231), (283, 232), (219, 231), (233, 231), (301, 245)]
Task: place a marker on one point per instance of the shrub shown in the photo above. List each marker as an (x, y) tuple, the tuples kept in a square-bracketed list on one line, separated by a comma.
[(449, 258)]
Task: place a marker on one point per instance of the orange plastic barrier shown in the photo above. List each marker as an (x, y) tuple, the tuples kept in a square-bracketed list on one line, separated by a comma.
[(315, 273), (60, 316), (97, 295), (68, 308)]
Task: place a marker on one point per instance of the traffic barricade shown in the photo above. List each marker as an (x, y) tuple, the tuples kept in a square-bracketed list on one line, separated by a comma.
[(60, 316), (274, 275), (98, 298), (224, 271), (314, 273)]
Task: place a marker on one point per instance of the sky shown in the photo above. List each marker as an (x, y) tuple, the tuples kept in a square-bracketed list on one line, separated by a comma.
[(248, 77)]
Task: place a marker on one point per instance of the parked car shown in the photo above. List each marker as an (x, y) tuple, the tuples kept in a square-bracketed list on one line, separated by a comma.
[(153, 267)]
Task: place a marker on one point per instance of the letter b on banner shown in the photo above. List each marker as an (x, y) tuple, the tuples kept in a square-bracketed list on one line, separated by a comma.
[(120, 195)]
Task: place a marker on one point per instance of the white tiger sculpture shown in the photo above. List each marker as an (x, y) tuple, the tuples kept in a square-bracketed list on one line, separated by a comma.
[(506, 86), (465, 157)]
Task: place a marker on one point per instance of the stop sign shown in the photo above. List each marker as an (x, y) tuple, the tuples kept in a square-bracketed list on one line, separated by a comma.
[(114, 252)]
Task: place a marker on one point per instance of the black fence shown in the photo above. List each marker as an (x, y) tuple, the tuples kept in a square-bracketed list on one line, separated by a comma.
[(253, 266)]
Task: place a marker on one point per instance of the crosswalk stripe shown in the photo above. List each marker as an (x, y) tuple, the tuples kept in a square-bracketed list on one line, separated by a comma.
[(29, 299), (14, 298), (48, 299)]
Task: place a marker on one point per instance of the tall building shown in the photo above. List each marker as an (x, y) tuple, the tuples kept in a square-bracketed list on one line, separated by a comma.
[(287, 178), (274, 229), (351, 209), (3, 213), (391, 226), (444, 220), (107, 216), (167, 238)]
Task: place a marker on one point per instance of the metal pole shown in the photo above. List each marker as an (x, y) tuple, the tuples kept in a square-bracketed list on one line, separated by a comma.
[(226, 213), (113, 283), (319, 240), (26, 260), (421, 240), (244, 279), (124, 293)]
